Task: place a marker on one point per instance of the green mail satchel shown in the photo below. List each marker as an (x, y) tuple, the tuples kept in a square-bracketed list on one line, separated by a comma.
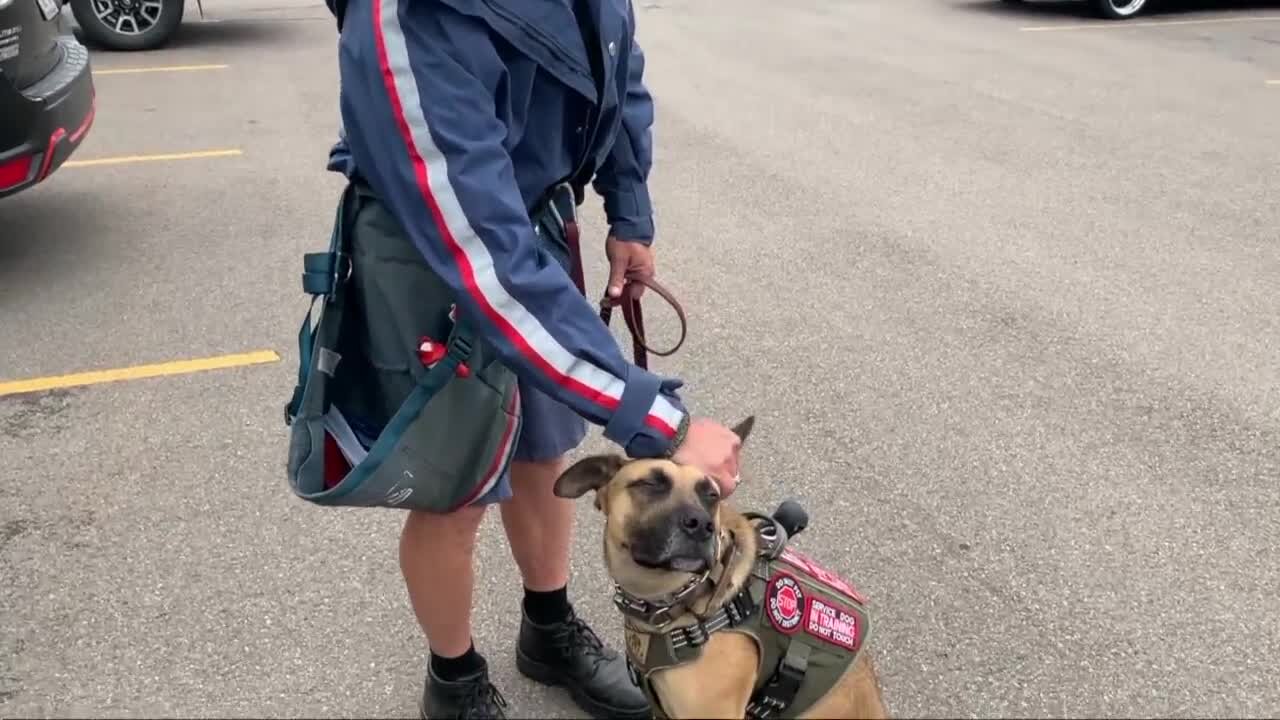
[(397, 405)]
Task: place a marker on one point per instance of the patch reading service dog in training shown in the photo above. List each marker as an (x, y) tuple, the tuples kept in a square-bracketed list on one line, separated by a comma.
[(832, 624), (785, 603)]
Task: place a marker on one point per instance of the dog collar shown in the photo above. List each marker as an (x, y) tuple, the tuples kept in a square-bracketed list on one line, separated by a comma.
[(659, 613)]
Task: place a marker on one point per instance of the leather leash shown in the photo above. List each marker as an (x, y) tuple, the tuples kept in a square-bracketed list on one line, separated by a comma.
[(631, 312)]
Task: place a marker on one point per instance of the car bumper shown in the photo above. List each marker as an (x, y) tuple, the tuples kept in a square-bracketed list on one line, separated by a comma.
[(54, 116)]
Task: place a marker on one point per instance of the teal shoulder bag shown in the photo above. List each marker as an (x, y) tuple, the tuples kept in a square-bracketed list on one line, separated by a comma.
[(396, 404)]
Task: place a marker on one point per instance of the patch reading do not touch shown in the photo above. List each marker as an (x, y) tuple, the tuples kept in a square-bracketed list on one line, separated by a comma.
[(785, 603), (832, 623)]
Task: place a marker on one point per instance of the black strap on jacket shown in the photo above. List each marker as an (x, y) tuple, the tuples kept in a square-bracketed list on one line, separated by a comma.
[(587, 27), (339, 10)]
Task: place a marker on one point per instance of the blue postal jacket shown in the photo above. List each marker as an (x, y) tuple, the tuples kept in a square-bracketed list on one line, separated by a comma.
[(461, 114)]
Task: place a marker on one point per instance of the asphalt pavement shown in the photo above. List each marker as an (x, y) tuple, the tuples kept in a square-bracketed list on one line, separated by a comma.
[(999, 282)]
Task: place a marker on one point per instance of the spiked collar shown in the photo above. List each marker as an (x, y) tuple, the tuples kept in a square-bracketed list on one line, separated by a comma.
[(660, 612)]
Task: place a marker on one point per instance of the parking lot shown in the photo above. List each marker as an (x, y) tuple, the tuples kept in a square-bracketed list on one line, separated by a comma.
[(999, 282)]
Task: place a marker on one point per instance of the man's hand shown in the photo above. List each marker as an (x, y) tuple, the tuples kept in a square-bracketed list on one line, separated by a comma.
[(627, 261), (715, 449)]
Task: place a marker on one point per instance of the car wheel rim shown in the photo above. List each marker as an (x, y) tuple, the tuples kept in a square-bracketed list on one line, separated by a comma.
[(128, 17), (1126, 7)]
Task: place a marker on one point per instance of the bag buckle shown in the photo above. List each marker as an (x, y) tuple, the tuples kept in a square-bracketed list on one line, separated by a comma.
[(341, 269)]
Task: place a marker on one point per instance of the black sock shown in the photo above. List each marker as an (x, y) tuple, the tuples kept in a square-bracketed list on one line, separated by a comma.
[(455, 668), (547, 608)]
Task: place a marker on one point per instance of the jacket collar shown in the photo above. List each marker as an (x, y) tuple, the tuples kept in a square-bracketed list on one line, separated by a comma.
[(545, 30)]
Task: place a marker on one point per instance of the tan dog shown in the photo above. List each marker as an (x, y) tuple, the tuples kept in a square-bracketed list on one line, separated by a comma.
[(708, 591)]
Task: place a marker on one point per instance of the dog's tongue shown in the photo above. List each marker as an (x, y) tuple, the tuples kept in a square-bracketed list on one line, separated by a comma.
[(687, 564)]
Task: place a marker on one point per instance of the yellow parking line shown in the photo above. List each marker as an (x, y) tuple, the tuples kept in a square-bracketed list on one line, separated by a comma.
[(126, 159), (160, 69), (137, 372), (1122, 24), (1273, 82)]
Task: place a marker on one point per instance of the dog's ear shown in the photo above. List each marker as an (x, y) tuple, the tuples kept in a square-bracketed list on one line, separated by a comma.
[(743, 429), (589, 473)]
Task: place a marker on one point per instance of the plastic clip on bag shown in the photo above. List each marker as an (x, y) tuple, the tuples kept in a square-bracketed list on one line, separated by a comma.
[(386, 413)]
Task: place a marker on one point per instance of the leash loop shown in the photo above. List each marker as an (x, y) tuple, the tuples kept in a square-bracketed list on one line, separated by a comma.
[(634, 318), (630, 303)]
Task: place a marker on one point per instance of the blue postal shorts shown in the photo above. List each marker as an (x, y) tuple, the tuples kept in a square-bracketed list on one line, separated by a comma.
[(549, 429)]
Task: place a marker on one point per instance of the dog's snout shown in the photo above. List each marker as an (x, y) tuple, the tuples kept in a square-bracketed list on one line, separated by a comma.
[(696, 523)]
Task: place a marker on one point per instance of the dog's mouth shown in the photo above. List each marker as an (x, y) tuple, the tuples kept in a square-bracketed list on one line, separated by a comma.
[(678, 564), (663, 546)]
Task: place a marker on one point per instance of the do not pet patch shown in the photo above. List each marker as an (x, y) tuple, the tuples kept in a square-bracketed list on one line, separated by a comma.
[(784, 601), (832, 623)]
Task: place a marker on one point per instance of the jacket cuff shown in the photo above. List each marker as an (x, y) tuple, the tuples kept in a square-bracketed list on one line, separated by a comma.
[(630, 426), (637, 231), (630, 213)]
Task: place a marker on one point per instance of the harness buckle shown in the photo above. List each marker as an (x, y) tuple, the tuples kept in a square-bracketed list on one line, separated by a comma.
[(661, 618), (780, 691), (734, 612), (696, 634)]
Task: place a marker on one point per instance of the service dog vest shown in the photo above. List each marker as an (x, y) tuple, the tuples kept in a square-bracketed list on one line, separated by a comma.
[(807, 623)]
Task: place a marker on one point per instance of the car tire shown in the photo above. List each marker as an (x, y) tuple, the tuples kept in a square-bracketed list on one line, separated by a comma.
[(128, 24), (1119, 9)]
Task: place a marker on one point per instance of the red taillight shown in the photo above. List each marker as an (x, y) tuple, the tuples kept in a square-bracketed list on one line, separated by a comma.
[(15, 172)]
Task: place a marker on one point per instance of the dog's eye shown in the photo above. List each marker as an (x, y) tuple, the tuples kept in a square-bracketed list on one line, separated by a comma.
[(656, 481), (708, 491)]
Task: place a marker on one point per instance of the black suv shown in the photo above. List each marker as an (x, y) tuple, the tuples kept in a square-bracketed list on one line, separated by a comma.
[(46, 93)]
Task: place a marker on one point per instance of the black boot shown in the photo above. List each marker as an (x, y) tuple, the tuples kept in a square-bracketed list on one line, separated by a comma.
[(471, 697), (570, 655)]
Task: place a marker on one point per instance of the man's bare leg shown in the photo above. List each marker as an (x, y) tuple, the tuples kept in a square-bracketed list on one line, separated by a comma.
[(433, 547), (555, 647), (539, 525)]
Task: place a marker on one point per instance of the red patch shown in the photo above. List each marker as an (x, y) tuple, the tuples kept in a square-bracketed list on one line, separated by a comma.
[(833, 624), (823, 575), (784, 601)]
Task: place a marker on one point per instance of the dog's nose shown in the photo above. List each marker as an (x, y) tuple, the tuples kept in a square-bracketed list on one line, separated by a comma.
[(696, 523)]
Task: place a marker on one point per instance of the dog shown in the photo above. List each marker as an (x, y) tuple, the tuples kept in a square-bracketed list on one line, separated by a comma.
[(714, 601)]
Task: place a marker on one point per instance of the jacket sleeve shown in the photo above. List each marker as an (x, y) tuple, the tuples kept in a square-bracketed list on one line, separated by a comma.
[(419, 83), (622, 179)]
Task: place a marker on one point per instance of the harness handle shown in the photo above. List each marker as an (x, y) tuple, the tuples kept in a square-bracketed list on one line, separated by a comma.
[(792, 516)]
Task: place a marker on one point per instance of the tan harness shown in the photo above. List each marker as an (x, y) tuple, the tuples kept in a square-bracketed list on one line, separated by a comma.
[(808, 625)]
